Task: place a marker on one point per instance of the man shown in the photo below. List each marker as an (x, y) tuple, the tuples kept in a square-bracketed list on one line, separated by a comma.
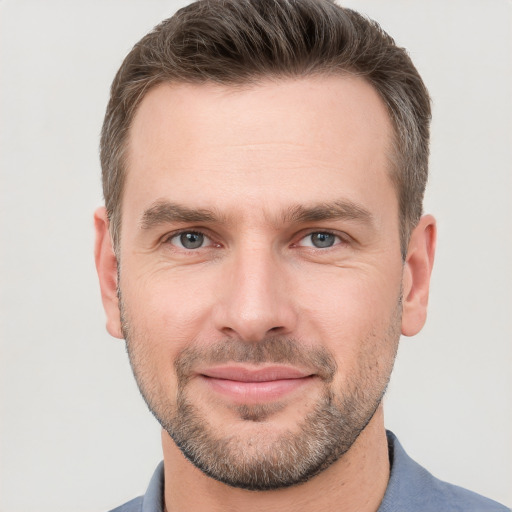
[(262, 249)]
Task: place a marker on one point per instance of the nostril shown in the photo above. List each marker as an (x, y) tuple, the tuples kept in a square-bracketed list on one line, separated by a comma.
[(229, 331)]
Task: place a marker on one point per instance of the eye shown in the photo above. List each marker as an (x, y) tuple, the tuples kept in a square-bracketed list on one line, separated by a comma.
[(319, 240), (190, 240)]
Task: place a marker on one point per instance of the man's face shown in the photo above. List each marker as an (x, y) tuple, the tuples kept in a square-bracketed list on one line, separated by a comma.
[(260, 271)]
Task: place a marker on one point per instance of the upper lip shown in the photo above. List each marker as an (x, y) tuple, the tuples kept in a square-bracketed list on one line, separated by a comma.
[(254, 374)]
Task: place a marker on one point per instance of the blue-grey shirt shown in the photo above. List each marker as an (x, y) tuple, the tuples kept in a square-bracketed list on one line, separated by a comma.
[(411, 488)]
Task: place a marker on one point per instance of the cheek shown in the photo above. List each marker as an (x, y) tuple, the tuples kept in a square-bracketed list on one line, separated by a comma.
[(350, 298), (162, 318), (352, 314), (167, 307)]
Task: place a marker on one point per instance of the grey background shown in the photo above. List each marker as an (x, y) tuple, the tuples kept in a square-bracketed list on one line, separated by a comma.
[(75, 435)]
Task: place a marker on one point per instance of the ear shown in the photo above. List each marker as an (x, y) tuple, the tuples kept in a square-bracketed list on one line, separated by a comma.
[(106, 266), (416, 276)]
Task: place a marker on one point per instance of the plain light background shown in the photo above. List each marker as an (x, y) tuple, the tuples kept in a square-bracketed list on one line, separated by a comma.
[(75, 435)]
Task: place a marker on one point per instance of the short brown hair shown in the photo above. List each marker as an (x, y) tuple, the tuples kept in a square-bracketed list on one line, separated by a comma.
[(234, 42)]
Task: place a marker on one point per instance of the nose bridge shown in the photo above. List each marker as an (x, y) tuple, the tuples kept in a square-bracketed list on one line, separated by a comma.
[(255, 301)]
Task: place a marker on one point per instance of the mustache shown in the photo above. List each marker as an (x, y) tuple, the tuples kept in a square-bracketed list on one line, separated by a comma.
[(275, 349)]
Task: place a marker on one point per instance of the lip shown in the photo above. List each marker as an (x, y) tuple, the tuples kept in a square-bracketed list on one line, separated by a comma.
[(243, 384)]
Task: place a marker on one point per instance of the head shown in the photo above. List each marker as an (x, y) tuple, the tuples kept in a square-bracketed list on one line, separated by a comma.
[(264, 166)]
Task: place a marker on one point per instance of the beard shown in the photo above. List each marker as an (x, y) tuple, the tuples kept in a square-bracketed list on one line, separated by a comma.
[(260, 458)]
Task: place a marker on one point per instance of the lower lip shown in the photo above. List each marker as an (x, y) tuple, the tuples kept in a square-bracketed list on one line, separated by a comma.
[(255, 392)]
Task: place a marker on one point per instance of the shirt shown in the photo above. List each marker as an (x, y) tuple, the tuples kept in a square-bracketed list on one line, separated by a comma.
[(411, 488)]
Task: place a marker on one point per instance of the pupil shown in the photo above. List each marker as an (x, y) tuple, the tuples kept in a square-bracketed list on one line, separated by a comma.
[(322, 239), (191, 240)]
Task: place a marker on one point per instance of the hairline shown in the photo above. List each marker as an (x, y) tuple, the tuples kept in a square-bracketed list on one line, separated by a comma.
[(393, 152)]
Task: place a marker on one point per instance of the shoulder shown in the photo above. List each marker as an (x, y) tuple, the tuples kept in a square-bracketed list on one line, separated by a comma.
[(134, 505), (152, 501), (413, 488), (442, 496)]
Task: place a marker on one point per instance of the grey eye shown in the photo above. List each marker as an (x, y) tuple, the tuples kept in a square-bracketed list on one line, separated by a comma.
[(189, 240), (321, 240)]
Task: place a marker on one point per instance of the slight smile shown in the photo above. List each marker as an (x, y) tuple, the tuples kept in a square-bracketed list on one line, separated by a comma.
[(251, 385)]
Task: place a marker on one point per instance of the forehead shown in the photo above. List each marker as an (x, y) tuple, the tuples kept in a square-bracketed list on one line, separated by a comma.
[(294, 140)]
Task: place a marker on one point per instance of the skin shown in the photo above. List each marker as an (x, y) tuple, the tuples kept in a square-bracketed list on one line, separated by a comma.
[(251, 155)]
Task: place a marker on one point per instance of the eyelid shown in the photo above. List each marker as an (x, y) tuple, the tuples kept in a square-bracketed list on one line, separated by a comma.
[(166, 239), (342, 237)]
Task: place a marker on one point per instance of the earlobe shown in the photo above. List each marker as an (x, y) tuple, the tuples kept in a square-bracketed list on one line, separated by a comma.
[(106, 266), (416, 276)]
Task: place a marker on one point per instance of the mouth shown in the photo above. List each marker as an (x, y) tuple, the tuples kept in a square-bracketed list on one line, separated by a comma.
[(251, 385)]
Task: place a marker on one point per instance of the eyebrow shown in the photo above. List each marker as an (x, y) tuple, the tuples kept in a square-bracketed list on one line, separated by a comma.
[(336, 210), (166, 212)]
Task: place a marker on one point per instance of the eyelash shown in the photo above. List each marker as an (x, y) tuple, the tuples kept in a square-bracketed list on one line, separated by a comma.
[(341, 239), (168, 239)]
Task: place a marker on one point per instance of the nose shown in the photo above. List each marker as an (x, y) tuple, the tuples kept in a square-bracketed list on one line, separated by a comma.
[(255, 299)]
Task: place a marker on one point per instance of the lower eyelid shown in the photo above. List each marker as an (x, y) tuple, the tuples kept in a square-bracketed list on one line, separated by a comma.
[(208, 241), (176, 236), (338, 239)]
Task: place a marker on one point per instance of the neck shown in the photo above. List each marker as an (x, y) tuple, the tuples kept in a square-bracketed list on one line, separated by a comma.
[(357, 481)]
